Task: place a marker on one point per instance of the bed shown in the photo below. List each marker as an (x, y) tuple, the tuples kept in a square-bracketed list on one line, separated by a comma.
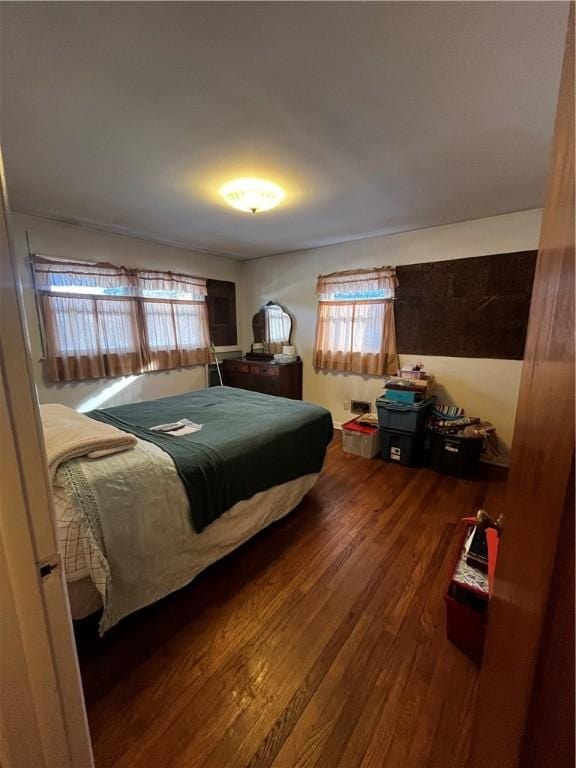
[(137, 523)]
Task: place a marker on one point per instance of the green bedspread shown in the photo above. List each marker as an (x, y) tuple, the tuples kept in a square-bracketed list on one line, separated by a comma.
[(249, 442)]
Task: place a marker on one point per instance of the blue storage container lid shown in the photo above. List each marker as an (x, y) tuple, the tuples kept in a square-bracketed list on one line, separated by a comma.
[(381, 402)]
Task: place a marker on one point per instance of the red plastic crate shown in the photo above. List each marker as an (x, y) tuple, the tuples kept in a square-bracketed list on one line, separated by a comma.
[(360, 439), (467, 607), (466, 628)]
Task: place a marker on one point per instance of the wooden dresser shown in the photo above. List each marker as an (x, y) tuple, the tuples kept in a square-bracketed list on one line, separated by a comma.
[(281, 379)]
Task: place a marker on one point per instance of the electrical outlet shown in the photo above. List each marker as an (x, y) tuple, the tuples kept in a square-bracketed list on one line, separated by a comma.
[(346, 405)]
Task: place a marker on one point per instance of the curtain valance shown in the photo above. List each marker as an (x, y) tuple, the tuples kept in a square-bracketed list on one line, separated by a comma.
[(171, 283), (51, 274), (380, 281)]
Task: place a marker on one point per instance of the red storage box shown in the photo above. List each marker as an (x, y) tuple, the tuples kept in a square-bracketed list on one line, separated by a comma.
[(468, 596)]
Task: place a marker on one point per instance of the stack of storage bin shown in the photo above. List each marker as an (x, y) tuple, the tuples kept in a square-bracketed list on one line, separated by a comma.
[(402, 430)]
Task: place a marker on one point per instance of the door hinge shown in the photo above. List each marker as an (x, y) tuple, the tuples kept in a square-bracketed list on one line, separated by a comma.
[(49, 565)]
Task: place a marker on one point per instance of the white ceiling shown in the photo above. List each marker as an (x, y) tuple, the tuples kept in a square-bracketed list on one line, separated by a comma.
[(376, 117)]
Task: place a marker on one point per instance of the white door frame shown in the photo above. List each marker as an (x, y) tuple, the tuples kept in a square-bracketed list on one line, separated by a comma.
[(42, 713)]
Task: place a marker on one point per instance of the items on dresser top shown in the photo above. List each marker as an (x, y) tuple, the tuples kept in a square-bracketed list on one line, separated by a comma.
[(288, 355), (257, 356)]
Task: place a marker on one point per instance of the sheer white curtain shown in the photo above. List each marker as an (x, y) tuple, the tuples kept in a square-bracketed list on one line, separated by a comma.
[(355, 324), (175, 319)]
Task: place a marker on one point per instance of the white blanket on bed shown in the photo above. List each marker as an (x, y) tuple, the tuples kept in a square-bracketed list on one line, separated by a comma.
[(137, 539), (69, 435)]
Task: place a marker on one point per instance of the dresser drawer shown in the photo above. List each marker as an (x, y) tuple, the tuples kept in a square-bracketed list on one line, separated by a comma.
[(264, 377), (265, 370), (237, 367)]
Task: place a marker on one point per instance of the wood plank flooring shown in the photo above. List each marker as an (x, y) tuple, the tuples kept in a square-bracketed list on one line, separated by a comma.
[(319, 643)]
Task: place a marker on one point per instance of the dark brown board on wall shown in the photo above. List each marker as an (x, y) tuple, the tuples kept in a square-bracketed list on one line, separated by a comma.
[(221, 301), (475, 307)]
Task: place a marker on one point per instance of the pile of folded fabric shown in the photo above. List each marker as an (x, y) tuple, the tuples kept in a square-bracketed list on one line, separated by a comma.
[(448, 412)]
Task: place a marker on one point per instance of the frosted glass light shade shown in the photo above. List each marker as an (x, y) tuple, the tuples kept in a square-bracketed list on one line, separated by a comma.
[(252, 195)]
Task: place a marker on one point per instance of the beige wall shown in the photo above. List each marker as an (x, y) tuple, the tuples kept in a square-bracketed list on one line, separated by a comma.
[(486, 388), (67, 241)]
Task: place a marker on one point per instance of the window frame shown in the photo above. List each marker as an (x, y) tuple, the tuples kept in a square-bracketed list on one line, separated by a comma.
[(337, 344)]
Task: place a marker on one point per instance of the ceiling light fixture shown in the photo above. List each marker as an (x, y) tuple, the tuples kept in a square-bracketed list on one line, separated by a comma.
[(252, 195)]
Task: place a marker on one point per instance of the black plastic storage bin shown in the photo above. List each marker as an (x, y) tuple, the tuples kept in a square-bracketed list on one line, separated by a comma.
[(403, 417), (401, 447), (453, 455)]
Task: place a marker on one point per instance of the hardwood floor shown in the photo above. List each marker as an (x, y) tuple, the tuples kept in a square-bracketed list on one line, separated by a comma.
[(321, 642)]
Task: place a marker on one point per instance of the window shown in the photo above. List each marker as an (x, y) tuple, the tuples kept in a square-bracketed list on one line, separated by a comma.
[(175, 318), (100, 320), (355, 323)]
